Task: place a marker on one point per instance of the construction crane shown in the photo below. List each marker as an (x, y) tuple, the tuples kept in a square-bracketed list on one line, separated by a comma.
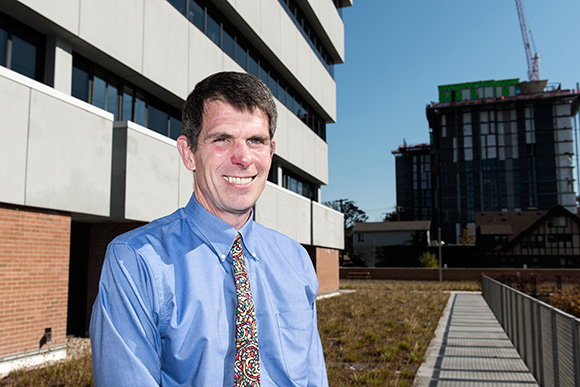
[(533, 60)]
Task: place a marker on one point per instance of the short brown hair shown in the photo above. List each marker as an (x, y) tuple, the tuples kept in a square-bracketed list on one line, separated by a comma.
[(243, 91)]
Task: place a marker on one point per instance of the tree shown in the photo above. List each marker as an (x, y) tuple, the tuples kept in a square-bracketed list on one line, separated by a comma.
[(467, 237), (398, 215), (352, 214)]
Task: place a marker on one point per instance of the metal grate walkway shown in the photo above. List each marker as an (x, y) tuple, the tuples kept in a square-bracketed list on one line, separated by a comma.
[(470, 348)]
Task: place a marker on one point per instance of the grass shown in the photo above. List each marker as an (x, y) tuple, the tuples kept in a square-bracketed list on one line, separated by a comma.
[(374, 336), (379, 334)]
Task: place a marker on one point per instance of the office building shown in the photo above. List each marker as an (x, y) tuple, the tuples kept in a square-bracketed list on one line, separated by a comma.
[(495, 146), (90, 99)]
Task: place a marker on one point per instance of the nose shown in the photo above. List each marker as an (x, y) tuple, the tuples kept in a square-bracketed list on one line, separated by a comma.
[(241, 155)]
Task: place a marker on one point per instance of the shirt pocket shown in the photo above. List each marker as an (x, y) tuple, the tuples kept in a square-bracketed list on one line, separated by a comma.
[(295, 337)]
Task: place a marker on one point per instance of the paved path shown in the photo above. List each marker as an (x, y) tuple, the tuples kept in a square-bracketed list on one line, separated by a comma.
[(471, 349)]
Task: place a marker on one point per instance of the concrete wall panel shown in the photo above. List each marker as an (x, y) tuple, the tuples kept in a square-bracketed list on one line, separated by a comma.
[(65, 13), (14, 103), (205, 58), (328, 226), (115, 27), (285, 212), (331, 21), (69, 154), (270, 24), (152, 174), (299, 145), (165, 51)]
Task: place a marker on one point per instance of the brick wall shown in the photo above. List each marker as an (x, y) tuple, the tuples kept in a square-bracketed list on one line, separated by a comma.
[(34, 261), (325, 263)]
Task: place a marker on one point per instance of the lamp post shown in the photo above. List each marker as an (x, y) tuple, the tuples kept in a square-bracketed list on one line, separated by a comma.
[(440, 256)]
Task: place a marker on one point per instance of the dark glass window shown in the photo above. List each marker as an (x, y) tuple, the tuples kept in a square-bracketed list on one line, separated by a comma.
[(264, 74), (299, 185), (112, 97), (157, 120), (179, 5), (196, 14), (21, 48), (3, 46), (241, 55), (80, 81), (213, 29), (136, 105), (252, 66), (228, 43), (23, 57), (140, 110), (174, 127), (127, 105), (99, 92)]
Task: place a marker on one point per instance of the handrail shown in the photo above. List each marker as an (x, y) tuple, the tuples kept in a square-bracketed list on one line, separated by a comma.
[(546, 338)]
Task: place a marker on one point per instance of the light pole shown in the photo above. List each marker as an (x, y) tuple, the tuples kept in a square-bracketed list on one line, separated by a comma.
[(440, 256)]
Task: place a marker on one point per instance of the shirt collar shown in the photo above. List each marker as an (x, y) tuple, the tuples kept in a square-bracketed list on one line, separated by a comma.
[(218, 234)]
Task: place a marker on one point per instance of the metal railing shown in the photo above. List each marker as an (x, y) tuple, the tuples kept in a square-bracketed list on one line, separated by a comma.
[(546, 338)]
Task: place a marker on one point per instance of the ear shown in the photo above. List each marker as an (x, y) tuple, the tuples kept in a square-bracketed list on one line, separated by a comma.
[(272, 148), (186, 153)]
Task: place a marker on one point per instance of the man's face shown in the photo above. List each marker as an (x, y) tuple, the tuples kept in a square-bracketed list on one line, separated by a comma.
[(232, 160)]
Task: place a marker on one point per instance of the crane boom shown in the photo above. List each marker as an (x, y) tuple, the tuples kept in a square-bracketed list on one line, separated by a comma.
[(532, 60)]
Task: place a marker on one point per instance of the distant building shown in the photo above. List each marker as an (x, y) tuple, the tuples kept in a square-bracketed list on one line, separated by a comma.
[(90, 107), (495, 146), (415, 192), (367, 237), (548, 239)]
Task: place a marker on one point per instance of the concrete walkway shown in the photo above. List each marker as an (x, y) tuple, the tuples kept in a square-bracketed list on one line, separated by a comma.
[(471, 349)]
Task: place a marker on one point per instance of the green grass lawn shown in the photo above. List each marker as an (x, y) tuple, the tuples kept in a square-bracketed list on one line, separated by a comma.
[(376, 335)]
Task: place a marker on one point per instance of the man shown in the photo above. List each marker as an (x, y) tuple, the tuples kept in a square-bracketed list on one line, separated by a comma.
[(167, 312)]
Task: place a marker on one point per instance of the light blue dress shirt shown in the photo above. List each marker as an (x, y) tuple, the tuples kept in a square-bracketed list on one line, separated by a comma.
[(165, 310)]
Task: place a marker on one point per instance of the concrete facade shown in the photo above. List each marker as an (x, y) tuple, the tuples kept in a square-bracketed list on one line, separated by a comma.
[(98, 163)]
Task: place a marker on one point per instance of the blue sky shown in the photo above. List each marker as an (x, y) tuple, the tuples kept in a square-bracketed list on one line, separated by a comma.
[(398, 52)]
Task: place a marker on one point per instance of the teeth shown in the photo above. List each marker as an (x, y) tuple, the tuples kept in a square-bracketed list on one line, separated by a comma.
[(238, 180)]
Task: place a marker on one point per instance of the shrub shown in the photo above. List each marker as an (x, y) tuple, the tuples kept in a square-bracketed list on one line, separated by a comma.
[(428, 259), (567, 301)]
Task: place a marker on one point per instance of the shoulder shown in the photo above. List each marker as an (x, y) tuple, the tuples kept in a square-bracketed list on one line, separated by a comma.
[(155, 230)]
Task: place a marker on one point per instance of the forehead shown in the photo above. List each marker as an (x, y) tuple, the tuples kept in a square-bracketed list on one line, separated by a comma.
[(221, 114)]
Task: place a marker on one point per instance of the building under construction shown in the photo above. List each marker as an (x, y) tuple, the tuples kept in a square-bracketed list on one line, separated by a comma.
[(495, 146)]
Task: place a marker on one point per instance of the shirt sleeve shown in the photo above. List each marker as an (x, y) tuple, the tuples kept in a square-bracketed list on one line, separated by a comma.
[(125, 339), (317, 374)]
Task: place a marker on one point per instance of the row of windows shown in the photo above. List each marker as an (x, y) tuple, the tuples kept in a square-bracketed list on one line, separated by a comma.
[(207, 18), (295, 183), (105, 90), (21, 48), (299, 19), (555, 240)]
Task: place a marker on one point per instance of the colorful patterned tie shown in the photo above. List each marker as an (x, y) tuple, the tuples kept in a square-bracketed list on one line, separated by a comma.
[(247, 363)]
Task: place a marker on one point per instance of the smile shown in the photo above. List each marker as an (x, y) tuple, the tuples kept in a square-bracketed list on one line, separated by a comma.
[(238, 180)]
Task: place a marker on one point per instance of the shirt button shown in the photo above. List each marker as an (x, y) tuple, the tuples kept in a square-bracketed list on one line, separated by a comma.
[(223, 256)]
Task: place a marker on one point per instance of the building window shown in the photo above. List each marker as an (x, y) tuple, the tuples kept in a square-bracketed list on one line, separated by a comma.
[(360, 237), (296, 184), (537, 241), (297, 16), (209, 20), (21, 48), (99, 87), (500, 239)]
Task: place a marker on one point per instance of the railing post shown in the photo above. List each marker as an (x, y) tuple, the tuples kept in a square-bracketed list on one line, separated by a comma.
[(555, 348), (576, 354)]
